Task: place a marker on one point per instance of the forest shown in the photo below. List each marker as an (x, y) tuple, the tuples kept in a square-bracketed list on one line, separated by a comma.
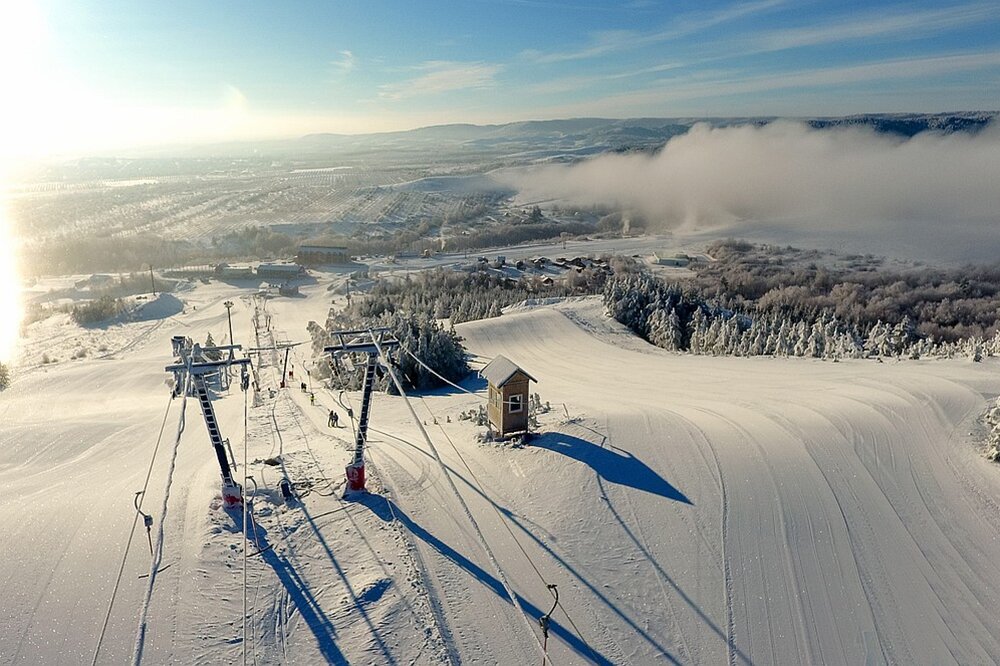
[(762, 300), (465, 296), (414, 307), (943, 304)]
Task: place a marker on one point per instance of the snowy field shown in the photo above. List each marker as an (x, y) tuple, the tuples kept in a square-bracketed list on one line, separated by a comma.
[(690, 510)]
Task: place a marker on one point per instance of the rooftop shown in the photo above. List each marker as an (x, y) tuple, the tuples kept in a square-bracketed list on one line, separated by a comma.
[(500, 370)]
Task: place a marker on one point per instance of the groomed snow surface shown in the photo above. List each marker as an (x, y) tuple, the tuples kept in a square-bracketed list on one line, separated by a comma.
[(691, 510)]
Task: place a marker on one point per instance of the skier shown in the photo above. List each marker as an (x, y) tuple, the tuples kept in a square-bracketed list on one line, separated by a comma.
[(312, 398), (334, 418)]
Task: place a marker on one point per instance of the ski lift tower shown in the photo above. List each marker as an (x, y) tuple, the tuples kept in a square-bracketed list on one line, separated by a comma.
[(371, 342), (191, 362)]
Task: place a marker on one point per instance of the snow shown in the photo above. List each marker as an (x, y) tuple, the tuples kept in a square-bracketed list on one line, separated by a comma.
[(689, 509)]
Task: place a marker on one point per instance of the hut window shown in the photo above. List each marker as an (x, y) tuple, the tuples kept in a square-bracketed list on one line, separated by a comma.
[(515, 404)]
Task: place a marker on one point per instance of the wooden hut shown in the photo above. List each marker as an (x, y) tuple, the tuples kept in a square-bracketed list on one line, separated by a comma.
[(508, 401)]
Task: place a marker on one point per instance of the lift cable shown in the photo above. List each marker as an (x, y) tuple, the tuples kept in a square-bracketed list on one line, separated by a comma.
[(505, 522), (444, 379), (135, 521), (468, 513), (246, 472), (140, 638)]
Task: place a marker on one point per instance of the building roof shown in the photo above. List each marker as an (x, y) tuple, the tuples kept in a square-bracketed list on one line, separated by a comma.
[(279, 268), (500, 370), (322, 246)]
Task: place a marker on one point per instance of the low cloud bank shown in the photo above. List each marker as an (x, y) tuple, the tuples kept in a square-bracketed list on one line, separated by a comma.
[(788, 176)]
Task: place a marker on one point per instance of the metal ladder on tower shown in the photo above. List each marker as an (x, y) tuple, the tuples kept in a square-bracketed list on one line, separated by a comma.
[(215, 435), (356, 470), (362, 342), (232, 493)]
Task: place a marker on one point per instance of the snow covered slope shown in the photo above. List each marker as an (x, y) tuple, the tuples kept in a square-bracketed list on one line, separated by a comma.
[(714, 510), (334, 581), (689, 509)]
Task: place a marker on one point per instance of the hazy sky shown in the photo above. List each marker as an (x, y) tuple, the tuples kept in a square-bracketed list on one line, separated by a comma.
[(85, 74)]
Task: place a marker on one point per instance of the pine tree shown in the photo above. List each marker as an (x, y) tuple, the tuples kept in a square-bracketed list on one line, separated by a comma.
[(214, 355), (675, 330), (696, 329)]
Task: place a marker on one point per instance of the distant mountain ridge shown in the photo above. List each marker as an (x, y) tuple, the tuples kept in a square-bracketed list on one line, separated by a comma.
[(549, 139), (612, 134)]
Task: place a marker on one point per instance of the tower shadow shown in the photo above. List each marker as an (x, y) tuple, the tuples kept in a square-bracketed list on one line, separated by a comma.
[(298, 591)]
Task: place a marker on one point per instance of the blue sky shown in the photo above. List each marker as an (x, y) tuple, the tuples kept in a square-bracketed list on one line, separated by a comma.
[(140, 72)]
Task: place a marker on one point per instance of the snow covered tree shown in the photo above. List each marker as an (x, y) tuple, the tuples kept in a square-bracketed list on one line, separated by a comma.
[(210, 342), (675, 331), (697, 329)]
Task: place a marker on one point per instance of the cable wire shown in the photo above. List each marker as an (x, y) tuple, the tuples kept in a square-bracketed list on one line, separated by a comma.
[(468, 512), (482, 490), (246, 472), (444, 379), (140, 637), (131, 535), (500, 515)]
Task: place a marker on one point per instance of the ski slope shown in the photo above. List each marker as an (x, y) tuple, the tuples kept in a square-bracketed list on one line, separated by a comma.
[(690, 510), (712, 510)]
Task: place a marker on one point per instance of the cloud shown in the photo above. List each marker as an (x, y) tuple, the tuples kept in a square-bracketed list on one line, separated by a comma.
[(902, 24), (619, 40), (573, 83), (345, 62), (439, 76), (790, 177), (706, 85)]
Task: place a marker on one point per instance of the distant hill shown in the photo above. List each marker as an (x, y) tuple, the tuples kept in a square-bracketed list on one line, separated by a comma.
[(550, 139), (576, 134)]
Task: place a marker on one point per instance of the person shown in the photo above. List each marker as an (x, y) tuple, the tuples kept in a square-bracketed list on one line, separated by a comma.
[(333, 419), (312, 398)]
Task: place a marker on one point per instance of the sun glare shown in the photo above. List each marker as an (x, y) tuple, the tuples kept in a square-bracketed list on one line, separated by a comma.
[(10, 302)]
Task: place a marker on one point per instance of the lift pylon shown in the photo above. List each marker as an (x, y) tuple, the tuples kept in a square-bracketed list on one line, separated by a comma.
[(362, 342), (191, 361)]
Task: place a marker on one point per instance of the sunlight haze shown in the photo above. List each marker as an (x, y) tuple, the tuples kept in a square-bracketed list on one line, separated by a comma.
[(100, 76)]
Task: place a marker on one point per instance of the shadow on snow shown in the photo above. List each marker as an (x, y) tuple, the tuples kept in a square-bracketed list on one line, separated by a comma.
[(387, 510), (622, 468), (298, 590)]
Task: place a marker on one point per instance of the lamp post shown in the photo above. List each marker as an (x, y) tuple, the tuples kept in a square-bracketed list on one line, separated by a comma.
[(229, 314)]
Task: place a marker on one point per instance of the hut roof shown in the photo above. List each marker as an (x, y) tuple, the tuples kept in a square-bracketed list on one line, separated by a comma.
[(500, 370)]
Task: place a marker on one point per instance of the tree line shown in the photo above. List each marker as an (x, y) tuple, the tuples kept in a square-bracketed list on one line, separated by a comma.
[(942, 304), (683, 318), (466, 296)]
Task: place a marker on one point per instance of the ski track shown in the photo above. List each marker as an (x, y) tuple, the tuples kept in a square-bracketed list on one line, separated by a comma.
[(837, 512), (873, 480), (639, 538)]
